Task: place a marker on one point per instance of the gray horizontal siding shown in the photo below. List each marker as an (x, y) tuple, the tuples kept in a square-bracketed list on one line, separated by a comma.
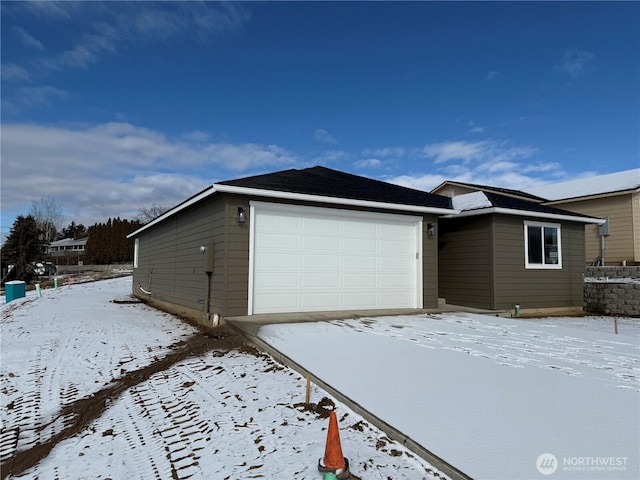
[(170, 264), (465, 261), (536, 288), (169, 255)]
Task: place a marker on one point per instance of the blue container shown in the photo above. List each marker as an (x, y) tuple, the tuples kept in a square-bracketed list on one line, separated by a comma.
[(14, 289)]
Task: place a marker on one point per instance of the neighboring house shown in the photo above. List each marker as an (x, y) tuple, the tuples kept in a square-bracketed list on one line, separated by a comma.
[(500, 251), (292, 241), (322, 240), (616, 197), (67, 247)]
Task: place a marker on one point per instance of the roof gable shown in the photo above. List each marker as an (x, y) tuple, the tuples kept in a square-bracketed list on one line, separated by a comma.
[(325, 182)]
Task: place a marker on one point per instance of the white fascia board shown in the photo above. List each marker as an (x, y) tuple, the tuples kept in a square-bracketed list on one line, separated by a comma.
[(527, 213), (303, 197), (174, 210)]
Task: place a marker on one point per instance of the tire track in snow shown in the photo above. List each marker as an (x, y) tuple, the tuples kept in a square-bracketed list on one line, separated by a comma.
[(77, 415)]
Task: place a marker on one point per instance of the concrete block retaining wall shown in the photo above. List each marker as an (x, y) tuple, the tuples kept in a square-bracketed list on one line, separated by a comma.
[(612, 290)]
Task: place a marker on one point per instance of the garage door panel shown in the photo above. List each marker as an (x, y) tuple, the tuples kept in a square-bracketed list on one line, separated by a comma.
[(395, 264), (320, 301), (390, 281), (320, 280), (362, 300), (393, 299), (320, 226), (359, 229), (276, 302), (278, 222), (280, 280), (359, 245), (275, 260), (320, 262), (396, 247), (320, 244), (313, 259), (359, 263), (278, 241), (359, 280)]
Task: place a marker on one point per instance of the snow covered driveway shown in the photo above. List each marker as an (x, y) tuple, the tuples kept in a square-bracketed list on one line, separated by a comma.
[(90, 388), (497, 398)]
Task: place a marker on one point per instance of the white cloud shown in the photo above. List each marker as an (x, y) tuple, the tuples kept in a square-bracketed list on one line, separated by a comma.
[(112, 169), (485, 150), (473, 128), (574, 61), (465, 151), (125, 25), (27, 39), (486, 162), (33, 96), (492, 74), (369, 163), (13, 73), (323, 136), (384, 152), (196, 136)]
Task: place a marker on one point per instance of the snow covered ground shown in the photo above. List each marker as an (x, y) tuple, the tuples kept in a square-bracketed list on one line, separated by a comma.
[(90, 388), (497, 398)]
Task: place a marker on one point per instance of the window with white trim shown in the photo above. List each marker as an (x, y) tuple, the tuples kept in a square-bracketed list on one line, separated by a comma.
[(136, 250), (542, 245)]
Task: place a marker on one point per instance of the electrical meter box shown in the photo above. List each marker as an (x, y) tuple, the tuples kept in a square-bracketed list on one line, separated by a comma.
[(209, 256)]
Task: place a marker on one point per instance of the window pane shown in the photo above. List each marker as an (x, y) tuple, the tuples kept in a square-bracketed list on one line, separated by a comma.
[(550, 246), (534, 239)]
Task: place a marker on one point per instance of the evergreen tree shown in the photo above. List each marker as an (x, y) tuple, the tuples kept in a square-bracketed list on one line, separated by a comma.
[(108, 242), (73, 231), (23, 246)]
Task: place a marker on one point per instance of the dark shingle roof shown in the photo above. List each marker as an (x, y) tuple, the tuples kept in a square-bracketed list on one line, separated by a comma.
[(502, 201), (322, 181)]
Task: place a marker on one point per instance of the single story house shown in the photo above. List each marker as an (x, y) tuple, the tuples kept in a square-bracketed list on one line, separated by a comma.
[(318, 239), (305, 240)]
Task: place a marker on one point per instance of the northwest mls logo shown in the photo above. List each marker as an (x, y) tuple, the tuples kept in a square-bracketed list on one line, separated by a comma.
[(547, 464)]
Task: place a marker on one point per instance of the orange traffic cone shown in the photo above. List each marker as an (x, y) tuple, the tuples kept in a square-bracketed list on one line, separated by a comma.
[(334, 461)]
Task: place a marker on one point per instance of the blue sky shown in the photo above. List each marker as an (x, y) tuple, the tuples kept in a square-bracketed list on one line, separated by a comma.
[(109, 107)]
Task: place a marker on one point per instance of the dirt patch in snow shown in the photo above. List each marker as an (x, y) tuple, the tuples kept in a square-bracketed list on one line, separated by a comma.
[(77, 415), (323, 408)]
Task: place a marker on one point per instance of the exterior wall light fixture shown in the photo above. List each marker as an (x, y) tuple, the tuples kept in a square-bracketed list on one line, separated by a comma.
[(242, 217), (431, 229)]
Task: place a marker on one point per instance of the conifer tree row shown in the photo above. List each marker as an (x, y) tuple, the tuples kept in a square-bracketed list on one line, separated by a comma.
[(108, 243)]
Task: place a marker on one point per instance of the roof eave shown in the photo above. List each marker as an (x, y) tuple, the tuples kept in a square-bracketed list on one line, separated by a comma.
[(528, 213), (221, 188), (331, 200), (169, 213)]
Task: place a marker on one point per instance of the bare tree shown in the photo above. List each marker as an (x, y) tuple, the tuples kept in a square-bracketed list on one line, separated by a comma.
[(48, 214), (146, 214)]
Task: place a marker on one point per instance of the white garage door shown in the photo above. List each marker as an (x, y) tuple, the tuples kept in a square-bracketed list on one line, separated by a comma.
[(306, 259)]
